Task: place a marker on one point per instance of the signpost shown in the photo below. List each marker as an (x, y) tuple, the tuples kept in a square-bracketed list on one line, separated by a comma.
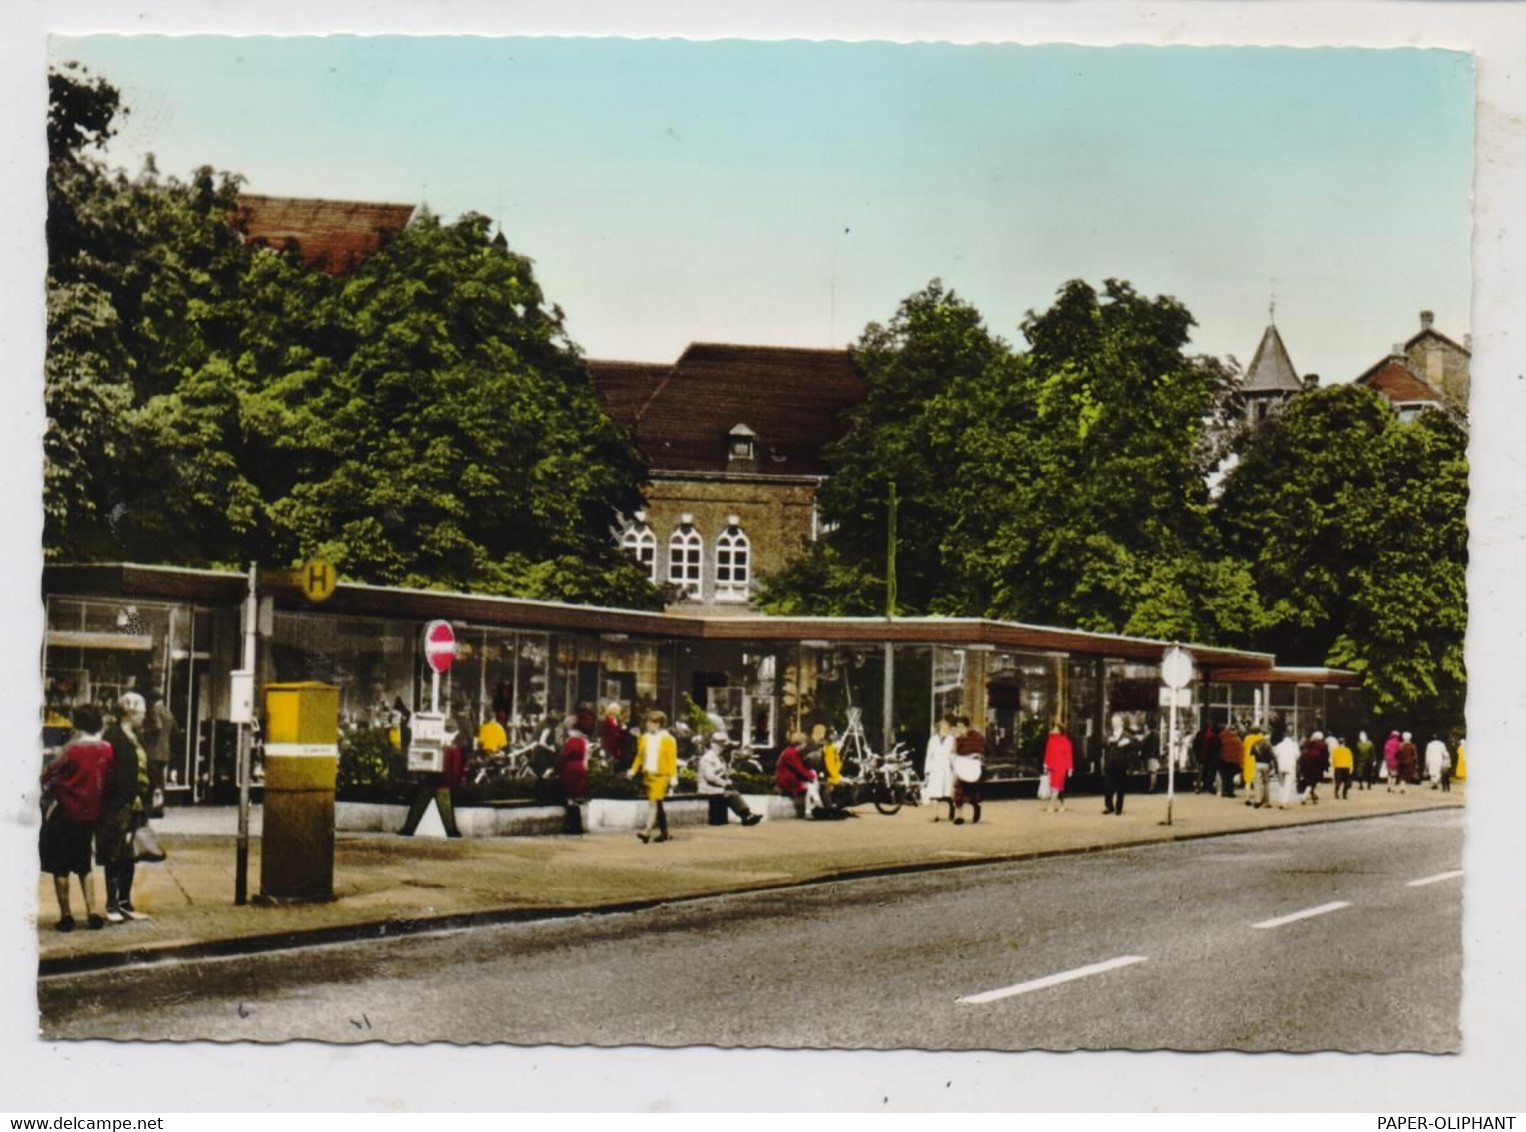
[(316, 580), (440, 652), (426, 747), (1176, 674)]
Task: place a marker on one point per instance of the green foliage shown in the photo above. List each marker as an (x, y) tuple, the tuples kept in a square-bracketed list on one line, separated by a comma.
[(1354, 525), (1066, 485), (368, 763), (422, 420)]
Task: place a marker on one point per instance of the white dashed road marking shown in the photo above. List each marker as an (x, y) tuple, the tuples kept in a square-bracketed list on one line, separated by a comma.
[(1333, 906), (1434, 879), (1052, 980)]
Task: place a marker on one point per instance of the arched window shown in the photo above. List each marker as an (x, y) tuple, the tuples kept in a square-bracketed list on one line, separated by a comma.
[(733, 563), (686, 556), (640, 543)]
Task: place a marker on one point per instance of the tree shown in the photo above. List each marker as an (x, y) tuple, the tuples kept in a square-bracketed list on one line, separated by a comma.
[(1354, 525), (1110, 531), (1066, 485), (421, 420), (925, 371)]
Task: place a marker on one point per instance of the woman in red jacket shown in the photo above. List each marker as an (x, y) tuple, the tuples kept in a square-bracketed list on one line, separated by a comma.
[(796, 780), (73, 785), (1059, 760), (572, 773)]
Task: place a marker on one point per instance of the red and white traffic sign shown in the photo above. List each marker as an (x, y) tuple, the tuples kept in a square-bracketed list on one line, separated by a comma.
[(440, 646)]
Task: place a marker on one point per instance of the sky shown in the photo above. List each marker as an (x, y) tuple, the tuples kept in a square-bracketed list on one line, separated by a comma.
[(789, 193)]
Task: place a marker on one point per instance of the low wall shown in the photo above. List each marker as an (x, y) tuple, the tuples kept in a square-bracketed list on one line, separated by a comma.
[(600, 815)]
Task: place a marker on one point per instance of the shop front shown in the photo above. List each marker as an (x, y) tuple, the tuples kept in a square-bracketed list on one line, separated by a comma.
[(532, 666)]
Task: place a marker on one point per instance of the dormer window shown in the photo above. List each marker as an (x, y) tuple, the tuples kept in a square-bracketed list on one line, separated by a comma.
[(741, 444)]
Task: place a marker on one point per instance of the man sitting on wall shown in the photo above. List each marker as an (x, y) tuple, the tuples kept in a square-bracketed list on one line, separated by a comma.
[(715, 784)]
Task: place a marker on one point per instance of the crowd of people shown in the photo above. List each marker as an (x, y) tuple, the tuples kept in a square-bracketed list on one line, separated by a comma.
[(97, 795), (100, 789), (1277, 770)]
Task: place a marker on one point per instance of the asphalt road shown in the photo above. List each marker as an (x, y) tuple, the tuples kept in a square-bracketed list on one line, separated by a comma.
[(885, 963)]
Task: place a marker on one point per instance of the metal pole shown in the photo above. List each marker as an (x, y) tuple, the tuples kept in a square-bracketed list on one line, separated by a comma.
[(434, 689), (251, 631), (890, 567), (1171, 762), (887, 716)]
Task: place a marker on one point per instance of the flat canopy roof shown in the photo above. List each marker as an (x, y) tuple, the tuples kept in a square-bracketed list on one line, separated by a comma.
[(226, 588), (1281, 675)]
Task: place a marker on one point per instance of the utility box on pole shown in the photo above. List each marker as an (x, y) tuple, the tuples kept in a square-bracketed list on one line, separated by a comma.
[(301, 768)]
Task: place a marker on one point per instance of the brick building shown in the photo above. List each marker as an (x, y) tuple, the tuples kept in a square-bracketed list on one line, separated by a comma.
[(335, 236), (1429, 371), (734, 438)]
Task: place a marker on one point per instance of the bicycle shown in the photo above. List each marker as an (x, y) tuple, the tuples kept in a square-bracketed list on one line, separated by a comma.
[(890, 780), (509, 765)]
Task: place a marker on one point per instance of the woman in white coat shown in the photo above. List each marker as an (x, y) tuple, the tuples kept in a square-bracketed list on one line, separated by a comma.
[(1436, 761), (1285, 759), (938, 770)]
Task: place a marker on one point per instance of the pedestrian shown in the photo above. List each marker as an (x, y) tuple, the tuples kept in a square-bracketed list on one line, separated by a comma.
[(1208, 768), (493, 735), (437, 786), (158, 740), (1252, 736), (1059, 761), (938, 769), (1231, 758), (73, 786), (1366, 757), (612, 734), (1265, 763), (657, 761), (795, 780), (831, 759), (124, 804), (1118, 752), (1409, 762), (571, 772), (1437, 762), (715, 784), (1313, 761), (1199, 737), (1342, 763), (1391, 748), (969, 759), (1285, 755)]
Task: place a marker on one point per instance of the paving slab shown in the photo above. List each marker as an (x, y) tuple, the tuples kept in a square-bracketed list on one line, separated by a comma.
[(384, 883)]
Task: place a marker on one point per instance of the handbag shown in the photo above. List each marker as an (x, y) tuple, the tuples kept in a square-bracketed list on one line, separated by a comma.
[(1045, 790), (966, 768), (145, 845)]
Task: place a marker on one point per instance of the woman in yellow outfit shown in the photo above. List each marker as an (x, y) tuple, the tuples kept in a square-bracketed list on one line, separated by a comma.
[(657, 758), (831, 759), (1254, 735)]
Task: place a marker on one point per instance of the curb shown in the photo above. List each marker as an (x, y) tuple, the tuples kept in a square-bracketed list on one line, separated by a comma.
[(381, 929)]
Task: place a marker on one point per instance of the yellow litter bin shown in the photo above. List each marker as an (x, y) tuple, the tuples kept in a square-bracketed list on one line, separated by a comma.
[(301, 765)]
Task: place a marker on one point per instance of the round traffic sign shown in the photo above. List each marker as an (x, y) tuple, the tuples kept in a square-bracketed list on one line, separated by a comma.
[(440, 646), (1176, 668)]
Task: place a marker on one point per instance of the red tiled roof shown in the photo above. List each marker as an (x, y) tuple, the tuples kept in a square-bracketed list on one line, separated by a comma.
[(624, 387), (332, 235), (1399, 383), (793, 399)]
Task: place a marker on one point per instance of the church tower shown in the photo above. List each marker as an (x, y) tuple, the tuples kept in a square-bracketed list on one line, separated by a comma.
[(1270, 380)]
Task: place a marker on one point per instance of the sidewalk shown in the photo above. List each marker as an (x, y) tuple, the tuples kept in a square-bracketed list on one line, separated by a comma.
[(386, 884)]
